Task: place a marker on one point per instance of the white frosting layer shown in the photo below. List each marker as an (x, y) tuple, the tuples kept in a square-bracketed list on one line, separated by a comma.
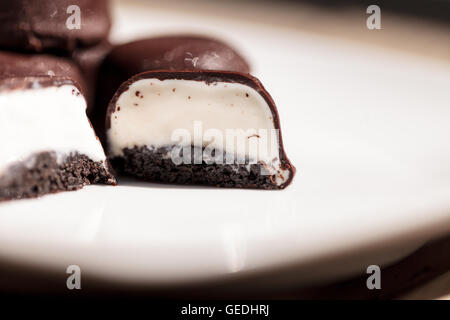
[(157, 113), (45, 119)]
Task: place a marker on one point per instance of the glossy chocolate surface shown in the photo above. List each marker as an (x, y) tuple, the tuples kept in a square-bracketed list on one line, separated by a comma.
[(182, 52), (19, 71), (41, 25), (176, 53)]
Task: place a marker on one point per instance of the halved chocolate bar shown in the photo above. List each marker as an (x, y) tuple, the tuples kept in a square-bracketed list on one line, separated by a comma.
[(197, 127), (46, 141)]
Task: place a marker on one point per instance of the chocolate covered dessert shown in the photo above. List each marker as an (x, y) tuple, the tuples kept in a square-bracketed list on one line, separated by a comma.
[(47, 143), (213, 128)]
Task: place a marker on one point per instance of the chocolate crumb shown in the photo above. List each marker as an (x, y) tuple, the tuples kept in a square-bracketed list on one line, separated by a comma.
[(138, 93), (173, 90), (159, 168), (47, 175), (246, 94)]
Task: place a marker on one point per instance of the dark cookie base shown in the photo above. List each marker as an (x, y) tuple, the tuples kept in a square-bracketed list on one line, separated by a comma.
[(155, 166), (45, 176)]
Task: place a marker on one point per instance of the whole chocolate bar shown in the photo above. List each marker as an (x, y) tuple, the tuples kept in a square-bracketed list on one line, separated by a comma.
[(213, 128), (49, 25), (182, 52), (46, 141), (178, 52)]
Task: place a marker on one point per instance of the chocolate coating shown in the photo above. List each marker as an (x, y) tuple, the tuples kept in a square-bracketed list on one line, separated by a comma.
[(176, 53), (19, 71), (89, 61), (210, 77), (40, 25), (183, 52)]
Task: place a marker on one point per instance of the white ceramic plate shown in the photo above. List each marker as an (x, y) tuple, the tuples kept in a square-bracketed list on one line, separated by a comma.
[(367, 130)]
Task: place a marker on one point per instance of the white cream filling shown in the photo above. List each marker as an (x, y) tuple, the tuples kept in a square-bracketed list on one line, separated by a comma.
[(157, 113), (45, 119)]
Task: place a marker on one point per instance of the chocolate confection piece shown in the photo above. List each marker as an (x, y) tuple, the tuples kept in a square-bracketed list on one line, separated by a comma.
[(185, 52), (49, 25), (197, 127), (46, 141)]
